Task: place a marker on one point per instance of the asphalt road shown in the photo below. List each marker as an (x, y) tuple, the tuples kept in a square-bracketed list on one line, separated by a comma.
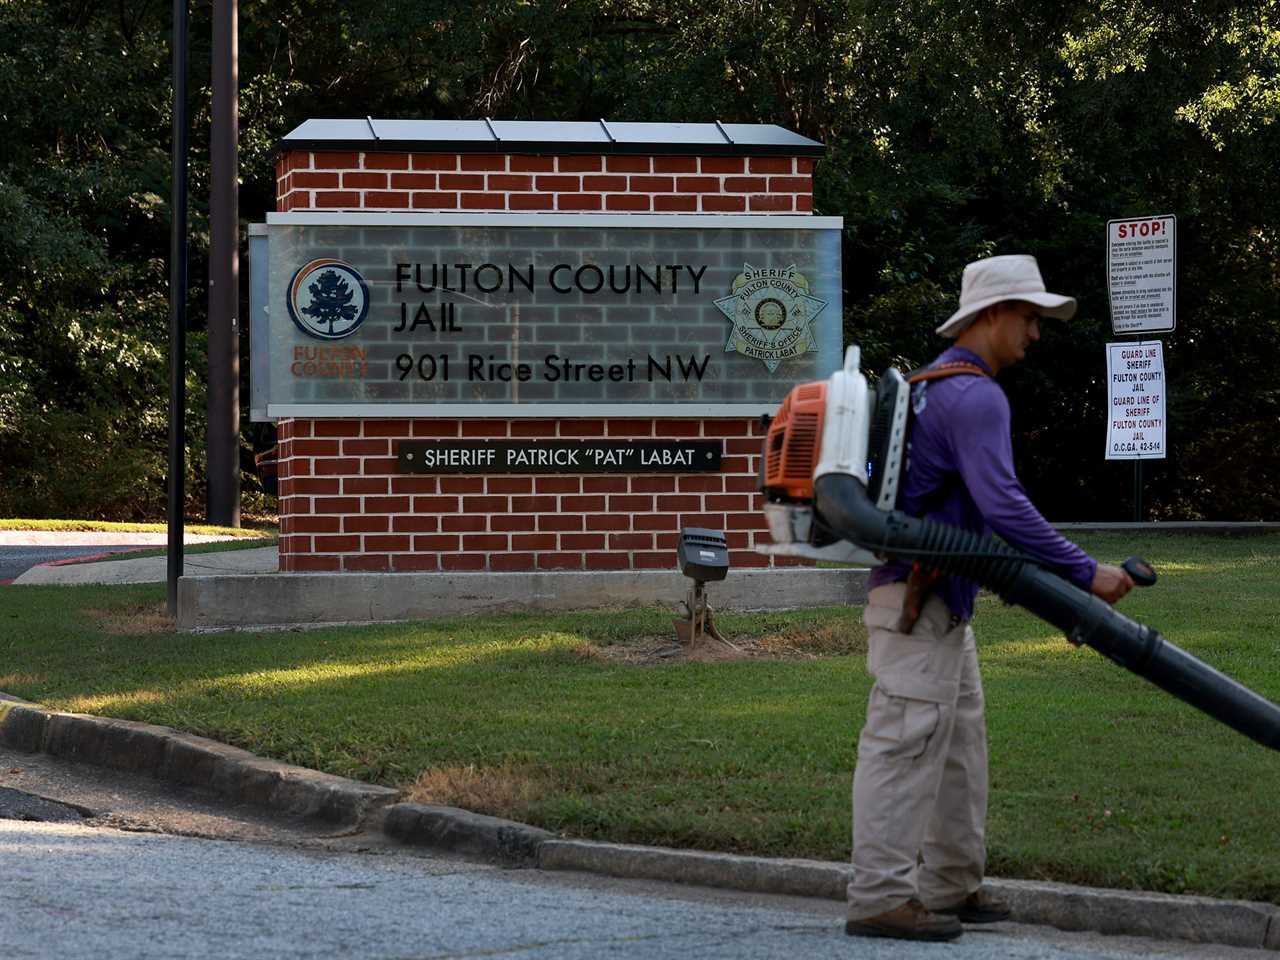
[(73, 891), (90, 889), (17, 560)]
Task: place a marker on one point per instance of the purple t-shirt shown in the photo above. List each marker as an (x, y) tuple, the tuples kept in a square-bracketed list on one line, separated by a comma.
[(960, 472)]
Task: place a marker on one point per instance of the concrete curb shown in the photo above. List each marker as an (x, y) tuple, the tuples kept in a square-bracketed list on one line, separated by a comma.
[(241, 776), (461, 831), (800, 878), (1238, 923), (168, 754)]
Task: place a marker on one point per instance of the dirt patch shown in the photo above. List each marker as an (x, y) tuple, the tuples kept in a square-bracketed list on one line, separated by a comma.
[(846, 638), (640, 651), (134, 620), (9, 680), (831, 640), (508, 790)]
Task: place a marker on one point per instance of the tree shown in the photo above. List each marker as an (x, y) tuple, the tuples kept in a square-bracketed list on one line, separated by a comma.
[(953, 130), (330, 299), (82, 289)]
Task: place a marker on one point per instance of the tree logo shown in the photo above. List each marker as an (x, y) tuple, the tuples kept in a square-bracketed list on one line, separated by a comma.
[(328, 299), (772, 315)]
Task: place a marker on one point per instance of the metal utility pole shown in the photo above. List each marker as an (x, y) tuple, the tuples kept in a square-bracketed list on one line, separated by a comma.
[(177, 303), (224, 272)]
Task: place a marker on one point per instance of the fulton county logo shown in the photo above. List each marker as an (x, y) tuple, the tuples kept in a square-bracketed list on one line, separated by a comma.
[(772, 315), (328, 299)]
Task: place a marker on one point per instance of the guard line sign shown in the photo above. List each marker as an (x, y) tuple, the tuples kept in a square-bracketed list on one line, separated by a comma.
[(1135, 378)]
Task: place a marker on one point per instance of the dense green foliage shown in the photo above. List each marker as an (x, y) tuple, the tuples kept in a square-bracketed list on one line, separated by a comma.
[(953, 129), (1097, 777)]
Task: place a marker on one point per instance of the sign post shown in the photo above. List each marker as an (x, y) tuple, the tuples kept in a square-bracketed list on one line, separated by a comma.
[(177, 306), (1142, 291)]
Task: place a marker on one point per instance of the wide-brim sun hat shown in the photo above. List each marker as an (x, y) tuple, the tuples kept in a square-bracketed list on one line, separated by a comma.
[(1012, 277)]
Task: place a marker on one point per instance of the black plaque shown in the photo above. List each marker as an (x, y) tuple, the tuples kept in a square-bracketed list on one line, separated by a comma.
[(560, 456)]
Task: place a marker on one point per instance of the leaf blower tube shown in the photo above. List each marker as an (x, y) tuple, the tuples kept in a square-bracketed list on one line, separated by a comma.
[(844, 505)]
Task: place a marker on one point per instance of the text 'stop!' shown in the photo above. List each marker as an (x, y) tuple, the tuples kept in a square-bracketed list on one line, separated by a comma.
[(372, 314)]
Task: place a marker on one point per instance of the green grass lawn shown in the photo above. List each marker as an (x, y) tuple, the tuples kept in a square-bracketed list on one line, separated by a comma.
[(249, 530), (1097, 777)]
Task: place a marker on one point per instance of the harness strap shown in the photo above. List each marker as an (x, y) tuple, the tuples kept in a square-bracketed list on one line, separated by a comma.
[(948, 369), (922, 579)]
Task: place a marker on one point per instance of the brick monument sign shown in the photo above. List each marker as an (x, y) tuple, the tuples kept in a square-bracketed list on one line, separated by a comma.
[(523, 346)]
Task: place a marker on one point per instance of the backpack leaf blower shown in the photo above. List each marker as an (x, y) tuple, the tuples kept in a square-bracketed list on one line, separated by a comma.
[(833, 461)]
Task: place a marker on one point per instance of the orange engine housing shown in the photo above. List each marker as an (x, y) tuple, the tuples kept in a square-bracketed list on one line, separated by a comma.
[(794, 443)]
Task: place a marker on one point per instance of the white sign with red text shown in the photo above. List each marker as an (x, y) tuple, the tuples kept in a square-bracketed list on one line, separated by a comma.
[(1135, 407), (1141, 280)]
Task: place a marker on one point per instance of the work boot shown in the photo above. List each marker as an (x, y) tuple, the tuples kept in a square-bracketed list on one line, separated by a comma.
[(911, 921), (978, 907)]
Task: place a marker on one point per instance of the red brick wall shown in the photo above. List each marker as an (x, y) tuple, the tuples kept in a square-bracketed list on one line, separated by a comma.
[(344, 506), (579, 184)]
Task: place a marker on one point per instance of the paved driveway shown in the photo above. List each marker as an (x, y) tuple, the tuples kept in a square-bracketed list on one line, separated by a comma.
[(16, 560), (23, 552)]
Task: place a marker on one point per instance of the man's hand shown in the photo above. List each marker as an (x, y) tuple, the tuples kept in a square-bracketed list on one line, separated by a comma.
[(1110, 583)]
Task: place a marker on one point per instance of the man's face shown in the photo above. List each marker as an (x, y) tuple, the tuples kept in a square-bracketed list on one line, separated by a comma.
[(1016, 326)]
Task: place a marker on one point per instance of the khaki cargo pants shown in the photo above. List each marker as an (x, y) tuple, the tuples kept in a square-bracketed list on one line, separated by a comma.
[(920, 786)]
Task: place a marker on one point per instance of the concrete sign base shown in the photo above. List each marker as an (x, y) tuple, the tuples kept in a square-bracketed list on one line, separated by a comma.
[(284, 599)]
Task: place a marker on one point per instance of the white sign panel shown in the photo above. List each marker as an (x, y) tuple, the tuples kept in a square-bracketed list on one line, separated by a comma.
[(1141, 284), (542, 315), (1135, 374)]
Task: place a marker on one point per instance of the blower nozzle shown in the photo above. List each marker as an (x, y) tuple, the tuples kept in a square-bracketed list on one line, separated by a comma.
[(844, 505)]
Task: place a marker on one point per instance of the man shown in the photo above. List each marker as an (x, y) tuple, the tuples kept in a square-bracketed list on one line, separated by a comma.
[(920, 786)]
